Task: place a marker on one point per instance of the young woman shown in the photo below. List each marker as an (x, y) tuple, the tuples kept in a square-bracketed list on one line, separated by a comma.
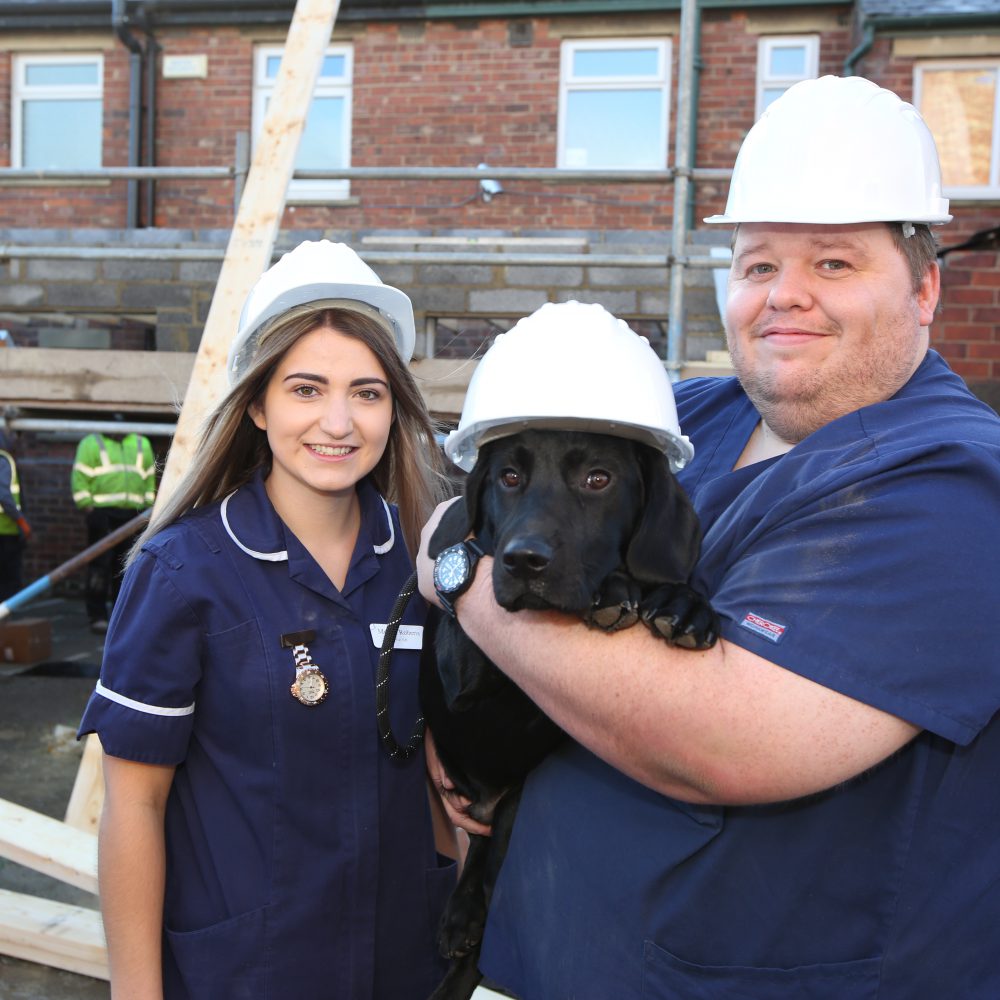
[(256, 839)]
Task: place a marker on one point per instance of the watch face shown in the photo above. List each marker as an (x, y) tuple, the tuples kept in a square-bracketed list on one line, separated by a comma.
[(451, 569), (310, 687)]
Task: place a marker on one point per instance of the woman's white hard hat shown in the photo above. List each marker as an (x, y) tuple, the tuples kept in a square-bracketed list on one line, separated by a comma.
[(331, 275), (569, 366), (837, 150)]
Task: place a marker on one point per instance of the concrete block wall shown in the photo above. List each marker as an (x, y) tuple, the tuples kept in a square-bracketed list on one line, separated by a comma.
[(173, 296)]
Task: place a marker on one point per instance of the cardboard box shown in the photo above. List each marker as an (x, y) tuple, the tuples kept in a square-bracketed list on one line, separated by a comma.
[(26, 641)]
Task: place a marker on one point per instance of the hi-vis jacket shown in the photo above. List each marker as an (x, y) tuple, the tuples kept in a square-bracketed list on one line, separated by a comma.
[(8, 519), (110, 473)]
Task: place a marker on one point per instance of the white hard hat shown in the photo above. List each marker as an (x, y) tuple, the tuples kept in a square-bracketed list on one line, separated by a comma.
[(569, 366), (837, 150), (321, 272)]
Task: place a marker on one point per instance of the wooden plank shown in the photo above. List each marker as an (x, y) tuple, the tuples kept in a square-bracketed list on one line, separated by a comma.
[(156, 381), (48, 845), (51, 933), (84, 809), (147, 381), (251, 243)]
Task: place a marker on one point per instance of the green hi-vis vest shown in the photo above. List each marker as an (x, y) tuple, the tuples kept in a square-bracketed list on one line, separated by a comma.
[(8, 524), (110, 473)]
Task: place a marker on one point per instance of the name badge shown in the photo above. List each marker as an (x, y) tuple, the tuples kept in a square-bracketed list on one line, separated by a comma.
[(407, 636)]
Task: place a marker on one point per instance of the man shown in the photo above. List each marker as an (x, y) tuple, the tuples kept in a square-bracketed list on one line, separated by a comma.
[(14, 527), (111, 481), (809, 808)]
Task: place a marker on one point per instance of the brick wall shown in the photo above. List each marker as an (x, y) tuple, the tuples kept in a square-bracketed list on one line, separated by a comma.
[(454, 94)]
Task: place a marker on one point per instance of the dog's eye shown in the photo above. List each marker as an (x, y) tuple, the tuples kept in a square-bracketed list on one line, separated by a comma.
[(597, 480), (510, 478)]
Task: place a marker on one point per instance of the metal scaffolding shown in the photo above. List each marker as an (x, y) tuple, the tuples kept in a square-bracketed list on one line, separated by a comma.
[(682, 175)]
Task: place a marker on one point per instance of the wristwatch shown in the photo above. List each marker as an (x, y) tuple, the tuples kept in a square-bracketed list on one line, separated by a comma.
[(454, 571)]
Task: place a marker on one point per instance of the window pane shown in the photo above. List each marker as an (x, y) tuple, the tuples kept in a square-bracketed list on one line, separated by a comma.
[(770, 95), (616, 62), (333, 66), (62, 134), (322, 144), (788, 60), (958, 107), (60, 74), (615, 129)]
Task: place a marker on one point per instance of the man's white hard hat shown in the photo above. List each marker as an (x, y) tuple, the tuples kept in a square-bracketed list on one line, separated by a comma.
[(330, 275), (837, 150), (569, 366)]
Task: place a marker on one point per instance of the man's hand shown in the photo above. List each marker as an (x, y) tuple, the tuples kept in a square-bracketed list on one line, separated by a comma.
[(425, 565), (455, 805), (22, 523)]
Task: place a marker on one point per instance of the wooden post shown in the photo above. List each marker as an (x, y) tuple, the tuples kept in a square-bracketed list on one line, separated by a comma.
[(251, 243), (84, 809), (248, 255)]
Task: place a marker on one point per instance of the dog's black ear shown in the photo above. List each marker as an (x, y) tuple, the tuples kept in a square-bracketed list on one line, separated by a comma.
[(461, 518), (666, 544), (454, 525)]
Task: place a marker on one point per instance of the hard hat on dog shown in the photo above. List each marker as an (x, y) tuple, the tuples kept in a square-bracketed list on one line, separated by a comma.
[(570, 366)]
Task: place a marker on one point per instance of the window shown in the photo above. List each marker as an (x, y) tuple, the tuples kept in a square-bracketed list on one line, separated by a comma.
[(961, 104), (614, 105), (781, 61), (57, 111), (326, 139)]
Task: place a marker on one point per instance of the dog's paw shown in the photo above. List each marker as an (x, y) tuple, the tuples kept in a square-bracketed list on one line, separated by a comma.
[(462, 925), (616, 606), (613, 617), (681, 616)]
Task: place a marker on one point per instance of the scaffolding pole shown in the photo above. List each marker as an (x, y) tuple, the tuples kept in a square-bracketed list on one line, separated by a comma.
[(682, 168)]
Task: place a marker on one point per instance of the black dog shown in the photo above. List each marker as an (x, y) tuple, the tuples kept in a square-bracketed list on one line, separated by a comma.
[(578, 522)]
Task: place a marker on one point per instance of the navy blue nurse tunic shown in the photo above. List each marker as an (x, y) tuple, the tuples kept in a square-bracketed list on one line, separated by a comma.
[(865, 559), (300, 859)]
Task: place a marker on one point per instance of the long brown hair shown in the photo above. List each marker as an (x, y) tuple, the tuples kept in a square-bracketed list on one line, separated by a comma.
[(232, 448)]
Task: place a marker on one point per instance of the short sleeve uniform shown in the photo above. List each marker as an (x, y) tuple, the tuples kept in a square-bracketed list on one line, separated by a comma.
[(300, 859), (865, 559)]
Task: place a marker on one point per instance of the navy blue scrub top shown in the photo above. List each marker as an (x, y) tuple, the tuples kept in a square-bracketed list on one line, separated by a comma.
[(300, 859), (867, 560)]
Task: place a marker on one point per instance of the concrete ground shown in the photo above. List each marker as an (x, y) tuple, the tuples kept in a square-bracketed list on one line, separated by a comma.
[(40, 706)]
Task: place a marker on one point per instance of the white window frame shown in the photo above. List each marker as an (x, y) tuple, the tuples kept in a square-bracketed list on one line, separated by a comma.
[(21, 91), (766, 81), (341, 86), (991, 190), (568, 84)]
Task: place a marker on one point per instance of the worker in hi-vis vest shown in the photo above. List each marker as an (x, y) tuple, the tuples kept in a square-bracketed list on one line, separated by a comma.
[(112, 481), (14, 527)]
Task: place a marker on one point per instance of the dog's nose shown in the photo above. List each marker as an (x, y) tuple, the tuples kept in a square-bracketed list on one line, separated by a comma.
[(525, 558)]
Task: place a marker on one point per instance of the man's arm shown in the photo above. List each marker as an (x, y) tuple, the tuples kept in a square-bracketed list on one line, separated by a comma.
[(721, 726)]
